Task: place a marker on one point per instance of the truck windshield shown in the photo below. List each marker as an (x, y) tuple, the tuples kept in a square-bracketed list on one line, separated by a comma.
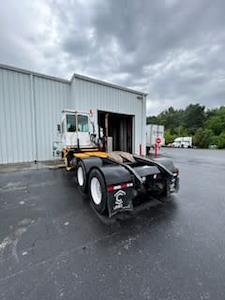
[(83, 123), (70, 123)]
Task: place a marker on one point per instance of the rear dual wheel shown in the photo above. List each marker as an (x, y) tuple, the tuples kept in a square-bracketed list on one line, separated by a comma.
[(95, 185), (97, 191)]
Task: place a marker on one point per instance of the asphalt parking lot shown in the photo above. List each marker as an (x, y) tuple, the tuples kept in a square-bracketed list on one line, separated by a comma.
[(53, 245)]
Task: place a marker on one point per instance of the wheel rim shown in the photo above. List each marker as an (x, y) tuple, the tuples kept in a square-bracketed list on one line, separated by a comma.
[(96, 191), (80, 176)]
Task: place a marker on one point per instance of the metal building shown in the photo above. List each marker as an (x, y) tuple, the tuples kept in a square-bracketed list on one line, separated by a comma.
[(31, 106)]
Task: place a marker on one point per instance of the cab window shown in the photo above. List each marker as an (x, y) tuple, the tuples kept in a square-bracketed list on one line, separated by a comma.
[(83, 123), (70, 123)]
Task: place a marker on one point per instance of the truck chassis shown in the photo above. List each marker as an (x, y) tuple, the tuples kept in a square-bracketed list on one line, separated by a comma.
[(115, 181)]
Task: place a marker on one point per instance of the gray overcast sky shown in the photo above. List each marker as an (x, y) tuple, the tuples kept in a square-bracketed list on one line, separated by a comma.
[(172, 49)]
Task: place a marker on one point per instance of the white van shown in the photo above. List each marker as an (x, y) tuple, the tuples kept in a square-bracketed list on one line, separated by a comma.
[(183, 142)]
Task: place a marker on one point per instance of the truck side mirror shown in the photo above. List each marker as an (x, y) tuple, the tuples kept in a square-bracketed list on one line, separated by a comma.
[(59, 128)]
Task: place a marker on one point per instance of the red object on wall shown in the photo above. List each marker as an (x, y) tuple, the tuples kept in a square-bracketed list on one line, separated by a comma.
[(158, 140)]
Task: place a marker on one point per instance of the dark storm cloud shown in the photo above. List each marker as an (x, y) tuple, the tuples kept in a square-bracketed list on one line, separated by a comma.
[(172, 49)]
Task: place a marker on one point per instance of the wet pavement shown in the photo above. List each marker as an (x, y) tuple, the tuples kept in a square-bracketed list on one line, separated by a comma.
[(53, 245)]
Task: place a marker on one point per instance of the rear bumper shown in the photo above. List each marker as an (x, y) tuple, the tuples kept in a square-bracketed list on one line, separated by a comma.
[(123, 199)]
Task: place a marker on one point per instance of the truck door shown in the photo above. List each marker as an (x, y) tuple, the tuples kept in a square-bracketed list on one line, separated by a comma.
[(83, 130)]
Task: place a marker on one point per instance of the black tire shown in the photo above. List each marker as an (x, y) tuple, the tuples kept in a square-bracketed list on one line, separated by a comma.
[(81, 184), (67, 159), (102, 205), (165, 195)]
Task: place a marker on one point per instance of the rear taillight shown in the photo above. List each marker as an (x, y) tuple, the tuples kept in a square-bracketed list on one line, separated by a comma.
[(113, 188)]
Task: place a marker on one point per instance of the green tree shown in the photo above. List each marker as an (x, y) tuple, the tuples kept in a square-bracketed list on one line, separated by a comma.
[(203, 138), (216, 120), (181, 131), (206, 126), (194, 117), (221, 140), (169, 137), (215, 123), (152, 120)]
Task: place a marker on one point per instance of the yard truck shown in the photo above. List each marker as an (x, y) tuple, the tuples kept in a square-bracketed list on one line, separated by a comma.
[(114, 181)]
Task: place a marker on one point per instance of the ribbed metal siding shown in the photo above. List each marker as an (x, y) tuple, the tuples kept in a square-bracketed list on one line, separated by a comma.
[(88, 95), (51, 97), (16, 126), (30, 108), (31, 105)]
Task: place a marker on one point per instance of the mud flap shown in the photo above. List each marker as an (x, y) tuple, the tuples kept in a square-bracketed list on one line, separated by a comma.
[(120, 200)]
